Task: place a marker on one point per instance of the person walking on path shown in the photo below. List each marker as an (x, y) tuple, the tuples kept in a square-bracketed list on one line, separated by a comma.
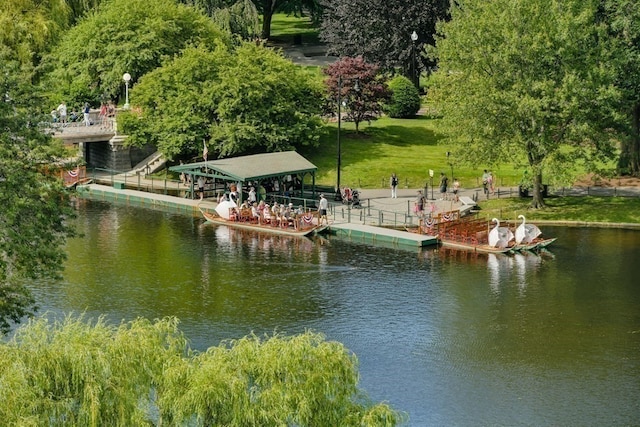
[(418, 207), (485, 183), (103, 116), (86, 110), (444, 181), (456, 188), (394, 186), (201, 186), (62, 112), (322, 210)]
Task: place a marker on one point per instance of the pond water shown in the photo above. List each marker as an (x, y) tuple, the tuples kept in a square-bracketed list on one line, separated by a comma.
[(449, 338)]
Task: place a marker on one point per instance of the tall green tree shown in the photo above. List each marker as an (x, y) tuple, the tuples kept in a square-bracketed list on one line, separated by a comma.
[(243, 100), (29, 28), (623, 19), (75, 372), (357, 87), (238, 17), (35, 208), (380, 30), (527, 82), (123, 36)]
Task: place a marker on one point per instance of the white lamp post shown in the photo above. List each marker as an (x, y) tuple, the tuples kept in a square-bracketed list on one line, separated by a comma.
[(414, 39), (126, 77)]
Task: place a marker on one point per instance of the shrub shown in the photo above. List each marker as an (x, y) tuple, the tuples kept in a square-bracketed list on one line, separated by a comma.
[(405, 98)]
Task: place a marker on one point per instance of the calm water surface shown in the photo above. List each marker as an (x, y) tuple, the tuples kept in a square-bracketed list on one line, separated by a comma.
[(449, 338)]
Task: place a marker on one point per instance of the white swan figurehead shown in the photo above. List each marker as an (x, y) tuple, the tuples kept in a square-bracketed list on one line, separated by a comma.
[(526, 233), (499, 237)]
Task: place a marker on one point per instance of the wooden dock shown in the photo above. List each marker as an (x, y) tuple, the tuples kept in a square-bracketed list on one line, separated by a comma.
[(143, 199), (352, 231), (372, 234)]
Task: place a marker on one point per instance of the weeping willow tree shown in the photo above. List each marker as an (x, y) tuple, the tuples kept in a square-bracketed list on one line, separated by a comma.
[(75, 372), (239, 17)]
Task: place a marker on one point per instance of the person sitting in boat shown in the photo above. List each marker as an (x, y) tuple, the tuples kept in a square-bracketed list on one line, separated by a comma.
[(261, 206), (255, 214), (285, 216), (233, 194), (267, 216), (233, 214), (297, 216)]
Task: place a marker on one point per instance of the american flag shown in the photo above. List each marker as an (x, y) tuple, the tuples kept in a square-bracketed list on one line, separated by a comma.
[(205, 152)]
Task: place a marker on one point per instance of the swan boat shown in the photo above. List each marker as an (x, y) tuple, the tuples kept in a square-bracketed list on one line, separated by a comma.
[(226, 214)]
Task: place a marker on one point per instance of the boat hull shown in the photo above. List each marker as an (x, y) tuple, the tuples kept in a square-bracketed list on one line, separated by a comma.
[(480, 248), (215, 219)]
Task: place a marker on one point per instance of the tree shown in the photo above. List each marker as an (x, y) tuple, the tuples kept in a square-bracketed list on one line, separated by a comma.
[(76, 372), (28, 28), (123, 36), (361, 88), (622, 17), (35, 207), (245, 100), (405, 98), (380, 30), (527, 82), (239, 17)]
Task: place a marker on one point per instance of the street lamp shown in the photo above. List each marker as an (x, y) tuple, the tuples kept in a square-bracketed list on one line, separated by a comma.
[(356, 87), (126, 77), (450, 164), (414, 74), (431, 182)]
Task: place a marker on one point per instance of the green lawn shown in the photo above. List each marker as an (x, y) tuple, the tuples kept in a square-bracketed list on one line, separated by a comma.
[(408, 147), (285, 27), (583, 208)]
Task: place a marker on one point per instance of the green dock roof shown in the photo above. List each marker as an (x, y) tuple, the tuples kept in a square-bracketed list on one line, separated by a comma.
[(250, 168)]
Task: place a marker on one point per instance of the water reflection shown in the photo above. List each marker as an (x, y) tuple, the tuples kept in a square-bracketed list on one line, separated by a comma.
[(451, 337)]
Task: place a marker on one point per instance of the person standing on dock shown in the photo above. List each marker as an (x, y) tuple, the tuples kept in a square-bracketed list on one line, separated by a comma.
[(394, 186), (418, 208), (322, 210), (201, 186), (444, 181)]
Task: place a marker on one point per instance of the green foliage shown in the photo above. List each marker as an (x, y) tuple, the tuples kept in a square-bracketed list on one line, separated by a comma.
[(250, 99), (405, 98), (140, 373), (622, 18), (241, 18), (35, 207), (526, 80), (28, 28), (123, 36), (380, 30)]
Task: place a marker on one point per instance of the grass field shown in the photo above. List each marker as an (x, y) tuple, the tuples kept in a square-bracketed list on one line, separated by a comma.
[(584, 208), (285, 28), (408, 147)]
